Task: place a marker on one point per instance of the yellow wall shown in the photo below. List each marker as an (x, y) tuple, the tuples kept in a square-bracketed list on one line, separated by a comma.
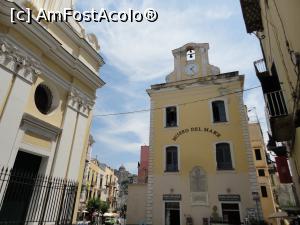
[(257, 142), (56, 116), (198, 150), (37, 140)]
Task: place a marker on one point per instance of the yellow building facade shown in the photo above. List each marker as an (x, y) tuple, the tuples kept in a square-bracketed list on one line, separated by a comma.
[(99, 182), (262, 171), (275, 23), (200, 164), (49, 76)]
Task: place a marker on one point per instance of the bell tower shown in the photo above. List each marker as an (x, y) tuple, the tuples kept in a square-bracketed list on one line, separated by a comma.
[(191, 61)]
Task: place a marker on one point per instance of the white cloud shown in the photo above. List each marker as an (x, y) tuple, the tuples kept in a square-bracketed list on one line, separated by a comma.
[(142, 51), (131, 167), (115, 129)]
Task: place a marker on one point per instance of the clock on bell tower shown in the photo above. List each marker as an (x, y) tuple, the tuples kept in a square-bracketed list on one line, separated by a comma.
[(191, 61)]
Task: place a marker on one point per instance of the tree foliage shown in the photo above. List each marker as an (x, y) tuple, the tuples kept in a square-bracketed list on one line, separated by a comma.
[(95, 204)]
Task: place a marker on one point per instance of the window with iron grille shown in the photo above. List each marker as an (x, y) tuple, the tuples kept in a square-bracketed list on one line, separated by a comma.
[(219, 112), (171, 116), (223, 156), (171, 159)]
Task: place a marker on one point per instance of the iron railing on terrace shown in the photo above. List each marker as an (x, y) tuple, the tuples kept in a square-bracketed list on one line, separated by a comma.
[(276, 104), (27, 198), (260, 66)]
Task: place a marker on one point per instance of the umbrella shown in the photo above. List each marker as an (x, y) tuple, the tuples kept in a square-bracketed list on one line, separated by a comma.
[(108, 214), (278, 215)]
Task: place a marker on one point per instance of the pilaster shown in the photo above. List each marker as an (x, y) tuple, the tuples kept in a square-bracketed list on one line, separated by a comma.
[(151, 178), (23, 71), (251, 167)]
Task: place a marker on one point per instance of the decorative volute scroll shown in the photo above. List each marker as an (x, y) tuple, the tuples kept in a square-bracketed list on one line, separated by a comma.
[(80, 102), (18, 62)]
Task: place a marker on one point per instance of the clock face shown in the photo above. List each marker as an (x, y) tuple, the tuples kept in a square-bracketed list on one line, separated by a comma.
[(191, 69)]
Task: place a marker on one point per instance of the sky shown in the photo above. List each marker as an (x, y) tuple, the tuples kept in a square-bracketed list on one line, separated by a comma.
[(137, 55)]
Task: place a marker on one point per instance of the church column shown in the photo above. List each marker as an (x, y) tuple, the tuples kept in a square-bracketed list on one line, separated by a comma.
[(21, 72), (71, 144)]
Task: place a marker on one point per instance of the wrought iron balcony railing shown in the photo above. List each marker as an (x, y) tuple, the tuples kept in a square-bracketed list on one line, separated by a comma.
[(276, 104), (260, 66)]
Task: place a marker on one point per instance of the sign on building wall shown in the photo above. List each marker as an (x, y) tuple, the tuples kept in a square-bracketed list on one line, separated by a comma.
[(194, 130), (229, 198), (172, 197)]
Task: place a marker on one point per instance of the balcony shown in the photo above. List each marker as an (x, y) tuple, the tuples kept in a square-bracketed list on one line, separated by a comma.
[(260, 68), (281, 122), (275, 104), (252, 15), (268, 82)]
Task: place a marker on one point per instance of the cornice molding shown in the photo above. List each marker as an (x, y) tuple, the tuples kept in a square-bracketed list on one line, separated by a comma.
[(18, 62), (82, 42), (203, 82), (12, 54), (39, 127), (50, 46)]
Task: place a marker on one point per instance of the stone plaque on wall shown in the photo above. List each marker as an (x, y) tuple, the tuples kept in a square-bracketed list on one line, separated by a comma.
[(198, 186), (229, 198)]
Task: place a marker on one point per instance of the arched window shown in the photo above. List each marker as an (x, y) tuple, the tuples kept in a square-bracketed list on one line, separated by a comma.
[(223, 156), (171, 116), (190, 54), (198, 182), (171, 159), (219, 112)]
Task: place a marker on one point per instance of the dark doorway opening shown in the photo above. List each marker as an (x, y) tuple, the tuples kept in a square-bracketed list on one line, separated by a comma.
[(172, 213), (20, 188), (231, 213)]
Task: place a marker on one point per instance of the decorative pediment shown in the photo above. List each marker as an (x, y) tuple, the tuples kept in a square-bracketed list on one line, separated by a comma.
[(40, 127)]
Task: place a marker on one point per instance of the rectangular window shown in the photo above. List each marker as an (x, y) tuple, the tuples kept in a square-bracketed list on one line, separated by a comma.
[(219, 112), (171, 159), (101, 181), (223, 156), (264, 192), (171, 116), (261, 172), (257, 154)]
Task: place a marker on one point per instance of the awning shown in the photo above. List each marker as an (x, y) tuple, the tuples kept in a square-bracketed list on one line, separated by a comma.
[(278, 215), (108, 214)]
